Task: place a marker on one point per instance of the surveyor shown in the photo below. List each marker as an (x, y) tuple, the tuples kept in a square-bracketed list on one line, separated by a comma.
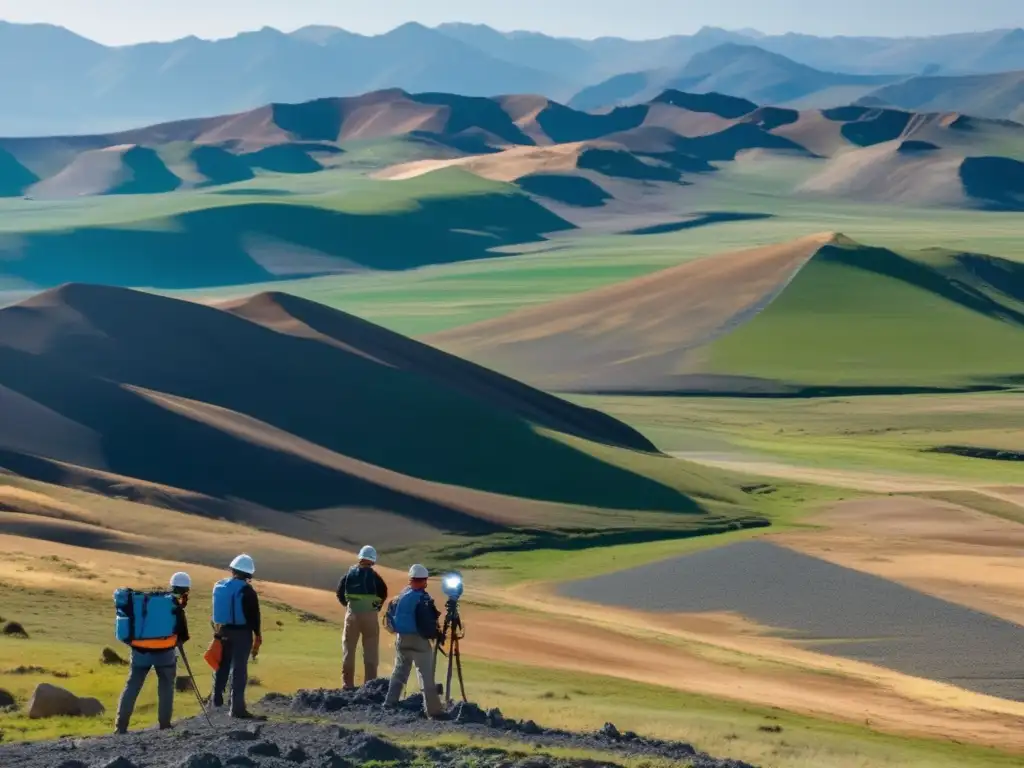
[(160, 654), (236, 622), (413, 617), (362, 591)]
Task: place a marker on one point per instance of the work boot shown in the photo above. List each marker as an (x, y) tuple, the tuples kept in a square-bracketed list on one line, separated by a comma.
[(248, 716)]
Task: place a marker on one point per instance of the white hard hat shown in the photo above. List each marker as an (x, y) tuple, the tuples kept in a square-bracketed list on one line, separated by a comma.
[(418, 572), (368, 553), (244, 564), (181, 579)]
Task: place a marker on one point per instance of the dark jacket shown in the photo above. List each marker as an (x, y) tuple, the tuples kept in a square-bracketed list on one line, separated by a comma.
[(251, 606), (380, 587)]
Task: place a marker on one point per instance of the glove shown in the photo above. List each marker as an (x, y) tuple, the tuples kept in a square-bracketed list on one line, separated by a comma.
[(256, 643)]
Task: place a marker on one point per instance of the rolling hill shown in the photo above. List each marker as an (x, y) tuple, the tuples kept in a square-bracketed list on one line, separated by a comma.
[(820, 314), (996, 96), (744, 71), (393, 181), (203, 241), (77, 86), (920, 174), (280, 413)]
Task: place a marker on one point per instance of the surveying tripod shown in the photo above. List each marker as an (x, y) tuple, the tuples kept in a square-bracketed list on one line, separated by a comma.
[(451, 633)]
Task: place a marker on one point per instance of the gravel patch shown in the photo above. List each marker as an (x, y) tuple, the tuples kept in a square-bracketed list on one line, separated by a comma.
[(342, 737), (830, 609)]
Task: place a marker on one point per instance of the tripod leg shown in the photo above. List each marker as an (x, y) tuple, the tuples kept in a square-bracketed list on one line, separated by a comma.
[(448, 683), (458, 666)]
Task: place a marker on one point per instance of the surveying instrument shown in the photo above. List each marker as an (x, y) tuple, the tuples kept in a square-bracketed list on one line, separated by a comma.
[(452, 631)]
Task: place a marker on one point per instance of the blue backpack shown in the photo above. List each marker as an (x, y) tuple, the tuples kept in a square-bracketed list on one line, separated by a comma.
[(227, 601), (146, 620), (400, 617)]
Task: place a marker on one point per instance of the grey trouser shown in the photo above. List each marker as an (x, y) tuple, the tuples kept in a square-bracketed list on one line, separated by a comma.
[(234, 663), (165, 676), (410, 650)]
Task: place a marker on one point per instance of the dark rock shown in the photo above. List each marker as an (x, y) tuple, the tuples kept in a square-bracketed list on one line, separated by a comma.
[(109, 656), (296, 754), (241, 760), (72, 764), (414, 703), (205, 760), (183, 684), (466, 712), (7, 700), (120, 762), (366, 746), (249, 734), (531, 728), (495, 719), (609, 731), (629, 736), (14, 629), (264, 749), (333, 760)]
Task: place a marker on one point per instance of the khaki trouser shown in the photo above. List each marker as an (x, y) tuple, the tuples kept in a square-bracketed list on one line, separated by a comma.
[(409, 650), (363, 625)]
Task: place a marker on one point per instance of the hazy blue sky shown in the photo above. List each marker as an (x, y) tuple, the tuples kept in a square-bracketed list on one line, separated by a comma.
[(123, 21)]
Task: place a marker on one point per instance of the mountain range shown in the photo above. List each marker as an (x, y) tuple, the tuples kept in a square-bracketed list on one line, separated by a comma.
[(73, 85)]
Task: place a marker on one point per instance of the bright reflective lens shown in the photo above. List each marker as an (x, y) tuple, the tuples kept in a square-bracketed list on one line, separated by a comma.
[(452, 585)]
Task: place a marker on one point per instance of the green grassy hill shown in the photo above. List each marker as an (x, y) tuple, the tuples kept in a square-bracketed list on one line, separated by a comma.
[(286, 415), (857, 316), (196, 239)]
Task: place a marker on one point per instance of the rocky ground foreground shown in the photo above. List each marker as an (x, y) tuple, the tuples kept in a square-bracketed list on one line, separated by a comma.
[(339, 729)]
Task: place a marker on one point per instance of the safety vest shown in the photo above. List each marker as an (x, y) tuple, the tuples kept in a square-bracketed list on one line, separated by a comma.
[(227, 602), (361, 590), (403, 619)]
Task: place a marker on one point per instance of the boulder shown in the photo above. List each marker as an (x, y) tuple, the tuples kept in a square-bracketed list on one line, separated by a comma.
[(183, 684), (90, 707), (204, 760), (14, 629), (51, 701), (7, 700), (109, 656)]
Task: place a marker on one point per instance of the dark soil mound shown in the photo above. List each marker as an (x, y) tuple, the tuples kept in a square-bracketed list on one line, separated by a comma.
[(194, 745)]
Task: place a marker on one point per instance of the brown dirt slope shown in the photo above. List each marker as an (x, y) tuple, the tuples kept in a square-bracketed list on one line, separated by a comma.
[(281, 413), (632, 335), (118, 170), (920, 173)]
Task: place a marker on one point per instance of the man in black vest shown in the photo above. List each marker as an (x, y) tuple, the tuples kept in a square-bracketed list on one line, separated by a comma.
[(362, 591)]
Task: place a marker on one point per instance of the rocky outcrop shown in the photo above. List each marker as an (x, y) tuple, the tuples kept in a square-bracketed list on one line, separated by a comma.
[(340, 738), (51, 701)]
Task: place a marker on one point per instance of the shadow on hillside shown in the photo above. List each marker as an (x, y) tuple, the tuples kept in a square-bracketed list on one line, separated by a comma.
[(999, 181), (885, 262), (205, 248), (410, 420), (700, 220), (570, 190)]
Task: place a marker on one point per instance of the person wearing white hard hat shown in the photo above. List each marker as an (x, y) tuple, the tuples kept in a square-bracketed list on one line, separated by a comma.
[(413, 617), (362, 591), (236, 622), (159, 654)]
